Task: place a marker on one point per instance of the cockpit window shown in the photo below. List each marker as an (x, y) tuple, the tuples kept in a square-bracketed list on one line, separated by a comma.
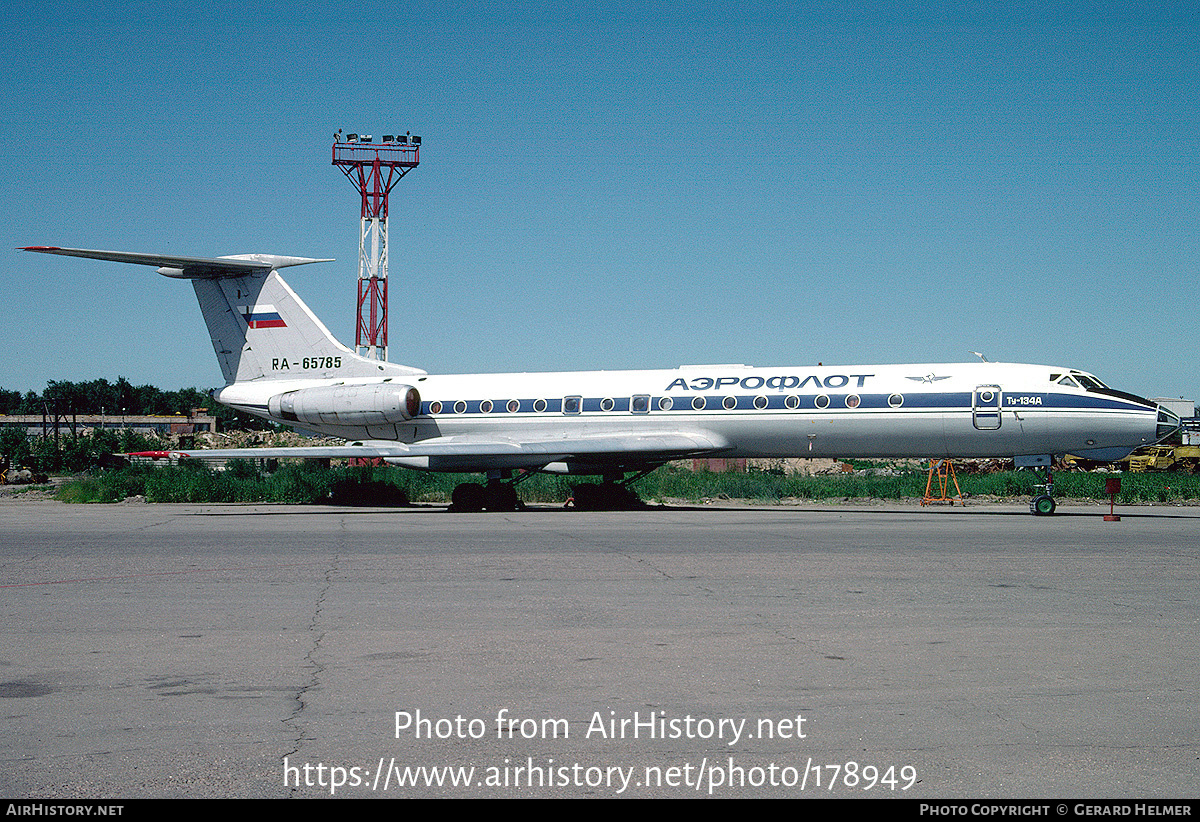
[(1067, 381), (1090, 383)]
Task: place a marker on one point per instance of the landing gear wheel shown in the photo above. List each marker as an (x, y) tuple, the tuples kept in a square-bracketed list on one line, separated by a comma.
[(607, 496), (469, 496), (1042, 506), (501, 496)]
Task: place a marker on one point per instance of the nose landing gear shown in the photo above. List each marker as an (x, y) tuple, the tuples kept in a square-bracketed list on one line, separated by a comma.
[(1042, 504)]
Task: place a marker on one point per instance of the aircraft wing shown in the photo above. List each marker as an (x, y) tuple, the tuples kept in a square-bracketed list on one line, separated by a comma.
[(627, 446)]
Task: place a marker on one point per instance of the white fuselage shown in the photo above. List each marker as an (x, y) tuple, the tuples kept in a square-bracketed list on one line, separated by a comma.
[(919, 410)]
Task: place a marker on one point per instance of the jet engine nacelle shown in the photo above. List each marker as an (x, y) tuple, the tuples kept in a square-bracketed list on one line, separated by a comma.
[(348, 404)]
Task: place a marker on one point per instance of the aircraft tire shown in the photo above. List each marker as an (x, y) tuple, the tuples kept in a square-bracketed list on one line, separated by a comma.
[(1042, 506), (468, 496), (501, 497), (586, 497)]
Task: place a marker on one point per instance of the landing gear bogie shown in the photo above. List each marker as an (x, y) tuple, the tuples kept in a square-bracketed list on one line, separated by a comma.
[(605, 496), (495, 496)]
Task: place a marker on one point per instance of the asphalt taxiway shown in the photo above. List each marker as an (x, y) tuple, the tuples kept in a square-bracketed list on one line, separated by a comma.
[(272, 651)]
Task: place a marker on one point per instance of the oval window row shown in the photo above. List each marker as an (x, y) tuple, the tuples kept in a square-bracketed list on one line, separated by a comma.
[(641, 404)]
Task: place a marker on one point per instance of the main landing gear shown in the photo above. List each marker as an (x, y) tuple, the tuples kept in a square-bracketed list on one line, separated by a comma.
[(605, 496), (613, 494), (500, 493)]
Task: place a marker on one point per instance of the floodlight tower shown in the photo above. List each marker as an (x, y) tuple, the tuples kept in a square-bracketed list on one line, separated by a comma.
[(373, 168)]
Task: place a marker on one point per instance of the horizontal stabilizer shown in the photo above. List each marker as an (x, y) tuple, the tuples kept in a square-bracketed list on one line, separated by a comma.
[(173, 265)]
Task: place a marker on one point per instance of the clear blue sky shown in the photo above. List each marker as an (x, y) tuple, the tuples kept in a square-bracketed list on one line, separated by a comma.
[(619, 186)]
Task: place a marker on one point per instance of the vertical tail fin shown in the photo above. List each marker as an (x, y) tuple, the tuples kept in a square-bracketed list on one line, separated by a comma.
[(260, 328)]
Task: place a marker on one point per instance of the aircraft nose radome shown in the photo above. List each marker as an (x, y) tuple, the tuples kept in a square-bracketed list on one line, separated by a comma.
[(1168, 423)]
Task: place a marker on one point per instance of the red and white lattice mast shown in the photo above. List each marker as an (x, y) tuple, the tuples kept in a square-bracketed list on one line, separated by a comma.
[(373, 168)]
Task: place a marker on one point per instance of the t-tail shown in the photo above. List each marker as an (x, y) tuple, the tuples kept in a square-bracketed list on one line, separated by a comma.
[(260, 328)]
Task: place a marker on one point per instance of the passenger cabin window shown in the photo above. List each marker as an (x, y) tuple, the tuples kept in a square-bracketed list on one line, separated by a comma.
[(640, 404), (571, 405)]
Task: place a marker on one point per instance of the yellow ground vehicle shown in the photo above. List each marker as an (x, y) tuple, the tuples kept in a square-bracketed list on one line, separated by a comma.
[(1164, 458)]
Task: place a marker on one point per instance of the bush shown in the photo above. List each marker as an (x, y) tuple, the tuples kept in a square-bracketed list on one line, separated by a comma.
[(310, 483)]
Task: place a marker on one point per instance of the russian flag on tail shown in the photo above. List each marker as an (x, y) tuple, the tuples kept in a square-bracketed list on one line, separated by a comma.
[(261, 316)]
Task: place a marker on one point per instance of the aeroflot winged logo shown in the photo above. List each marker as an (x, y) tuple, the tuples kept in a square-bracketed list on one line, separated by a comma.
[(261, 316)]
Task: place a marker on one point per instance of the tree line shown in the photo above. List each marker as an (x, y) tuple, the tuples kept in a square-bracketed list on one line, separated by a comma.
[(80, 451), (63, 397)]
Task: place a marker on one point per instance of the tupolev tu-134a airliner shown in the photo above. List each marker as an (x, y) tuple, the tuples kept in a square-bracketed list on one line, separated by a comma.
[(280, 362)]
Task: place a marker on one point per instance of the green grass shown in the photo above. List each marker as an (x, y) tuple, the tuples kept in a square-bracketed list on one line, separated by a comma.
[(309, 484)]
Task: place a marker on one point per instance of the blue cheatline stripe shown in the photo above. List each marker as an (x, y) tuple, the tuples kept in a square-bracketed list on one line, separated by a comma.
[(714, 403)]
